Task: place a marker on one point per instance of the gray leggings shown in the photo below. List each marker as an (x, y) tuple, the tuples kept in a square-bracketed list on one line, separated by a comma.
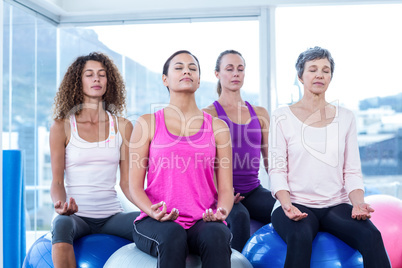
[(69, 228)]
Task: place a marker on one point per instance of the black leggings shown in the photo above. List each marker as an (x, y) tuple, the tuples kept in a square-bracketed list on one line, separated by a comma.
[(170, 242), (69, 228), (256, 205), (299, 235)]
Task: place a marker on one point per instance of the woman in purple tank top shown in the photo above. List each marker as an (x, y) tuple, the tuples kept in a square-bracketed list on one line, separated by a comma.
[(179, 149), (249, 127)]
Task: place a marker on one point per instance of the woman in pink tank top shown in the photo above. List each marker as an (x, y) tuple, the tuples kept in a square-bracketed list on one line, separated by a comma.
[(179, 149)]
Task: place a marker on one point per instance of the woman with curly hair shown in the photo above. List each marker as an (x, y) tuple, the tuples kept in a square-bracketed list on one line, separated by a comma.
[(88, 142)]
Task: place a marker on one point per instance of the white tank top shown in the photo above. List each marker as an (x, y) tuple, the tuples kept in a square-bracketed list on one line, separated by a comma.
[(90, 172)]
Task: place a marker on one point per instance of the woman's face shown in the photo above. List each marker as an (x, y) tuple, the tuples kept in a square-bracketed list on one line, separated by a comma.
[(183, 74), (232, 71), (316, 76), (94, 79)]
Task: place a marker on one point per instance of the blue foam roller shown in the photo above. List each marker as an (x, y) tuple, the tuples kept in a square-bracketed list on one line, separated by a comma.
[(13, 209)]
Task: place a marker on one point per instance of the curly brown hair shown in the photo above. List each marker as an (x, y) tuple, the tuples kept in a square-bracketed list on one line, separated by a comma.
[(69, 99)]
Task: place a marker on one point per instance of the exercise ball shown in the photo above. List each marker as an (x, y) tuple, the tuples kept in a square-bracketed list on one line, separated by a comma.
[(267, 249), (255, 225), (91, 251), (40, 253), (129, 256), (94, 250), (387, 217)]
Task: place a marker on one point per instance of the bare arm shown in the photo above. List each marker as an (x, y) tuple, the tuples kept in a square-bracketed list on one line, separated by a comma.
[(224, 172), (212, 111), (58, 141), (126, 129), (263, 117), (140, 141)]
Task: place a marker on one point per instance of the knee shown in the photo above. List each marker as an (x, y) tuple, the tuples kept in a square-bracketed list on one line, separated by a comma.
[(238, 215), (62, 223), (174, 237), (217, 234), (62, 229)]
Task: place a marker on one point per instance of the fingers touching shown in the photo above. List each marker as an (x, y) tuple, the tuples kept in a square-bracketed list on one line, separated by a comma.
[(161, 214), (66, 208), (220, 215)]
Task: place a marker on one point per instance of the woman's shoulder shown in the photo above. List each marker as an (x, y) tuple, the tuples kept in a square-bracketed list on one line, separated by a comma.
[(146, 122), (147, 119), (281, 111), (144, 126), (60, 130), (344, 110), (125, 126), (60, 125), (210, 110), (123, 121), (260, 110), (218, 124), (346, 115), (221, 131)]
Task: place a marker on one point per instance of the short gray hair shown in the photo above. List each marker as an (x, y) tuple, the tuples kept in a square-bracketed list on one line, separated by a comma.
[(313, 54)]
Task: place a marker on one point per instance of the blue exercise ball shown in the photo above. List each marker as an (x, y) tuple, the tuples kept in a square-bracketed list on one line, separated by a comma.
[(94, 250), (267, 249), (254, 226), (91, 251), (40, 254)]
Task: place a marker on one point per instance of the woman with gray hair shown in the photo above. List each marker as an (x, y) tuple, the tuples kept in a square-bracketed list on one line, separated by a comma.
[(315, 170)]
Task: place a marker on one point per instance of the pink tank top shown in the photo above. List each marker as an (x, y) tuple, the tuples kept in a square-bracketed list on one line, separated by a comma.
[(181, 171)]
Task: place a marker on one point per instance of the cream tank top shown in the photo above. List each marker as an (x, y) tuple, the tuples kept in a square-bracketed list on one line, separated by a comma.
[(90, 172)]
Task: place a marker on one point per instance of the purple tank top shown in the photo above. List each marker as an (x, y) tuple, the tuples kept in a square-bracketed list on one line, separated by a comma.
[(246, 149)]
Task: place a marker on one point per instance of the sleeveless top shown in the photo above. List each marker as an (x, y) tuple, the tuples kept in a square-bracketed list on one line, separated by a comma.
[(181, 171), (90, 172), (246, 149)]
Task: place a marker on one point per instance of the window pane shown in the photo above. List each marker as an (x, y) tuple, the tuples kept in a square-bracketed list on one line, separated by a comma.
[(6, 138), (37, 54), (147, 46), (23, 103), (367, 54)]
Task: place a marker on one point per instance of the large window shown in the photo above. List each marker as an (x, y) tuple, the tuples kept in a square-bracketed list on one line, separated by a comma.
[(147, 46), (367, 53), (37, 54)]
